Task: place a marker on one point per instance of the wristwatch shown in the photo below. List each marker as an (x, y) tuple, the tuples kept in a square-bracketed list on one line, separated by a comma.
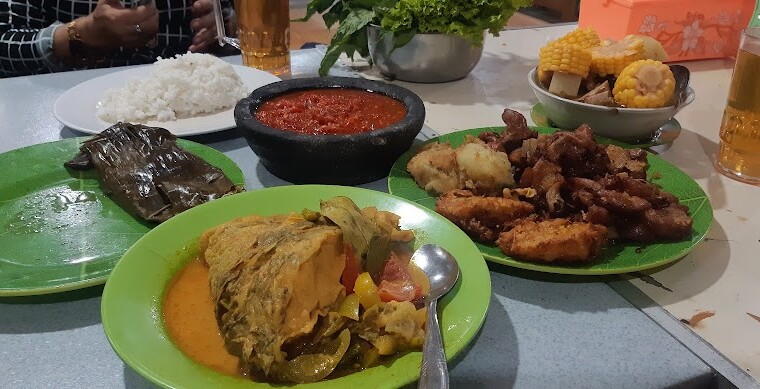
[(81, 53)]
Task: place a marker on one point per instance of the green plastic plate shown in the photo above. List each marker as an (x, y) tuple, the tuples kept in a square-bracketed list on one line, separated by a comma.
[(134, 324), (614, 259), (59, 230)]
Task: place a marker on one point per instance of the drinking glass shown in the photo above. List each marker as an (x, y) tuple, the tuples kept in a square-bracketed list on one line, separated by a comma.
[(263, 33), (739, 153)]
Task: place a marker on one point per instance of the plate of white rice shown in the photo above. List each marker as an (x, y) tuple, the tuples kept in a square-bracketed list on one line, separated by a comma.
[(190, 94)]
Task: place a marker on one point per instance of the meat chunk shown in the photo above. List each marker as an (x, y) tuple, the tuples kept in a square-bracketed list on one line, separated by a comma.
[(640, 188), (671, 223), (554, 240), (546, 178), (622, 202), (530, 152), (578, 153), (514, 134), (481, 217), (633, 161)]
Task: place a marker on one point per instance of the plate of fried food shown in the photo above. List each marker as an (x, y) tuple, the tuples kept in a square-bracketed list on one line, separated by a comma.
[(556, 201), (299, 284)]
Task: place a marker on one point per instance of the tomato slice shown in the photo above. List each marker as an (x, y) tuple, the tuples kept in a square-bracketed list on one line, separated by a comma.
[(398, 291), (352, 270), (395, 282)]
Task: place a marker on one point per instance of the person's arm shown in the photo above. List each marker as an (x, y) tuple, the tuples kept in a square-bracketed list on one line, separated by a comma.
[(110, 26), (25, 50)]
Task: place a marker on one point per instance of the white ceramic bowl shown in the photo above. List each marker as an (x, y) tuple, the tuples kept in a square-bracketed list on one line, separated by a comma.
[(616, 123)]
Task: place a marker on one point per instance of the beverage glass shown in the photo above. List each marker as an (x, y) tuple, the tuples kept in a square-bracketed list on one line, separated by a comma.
[(263, 33), (739, 153)]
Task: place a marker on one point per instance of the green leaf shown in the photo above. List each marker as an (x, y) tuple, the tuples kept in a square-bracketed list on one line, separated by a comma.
[(315, 6), (333, 15), (331, 56), (355, 21), (465, 18), (371, 242), (401, 38), (348, 37)]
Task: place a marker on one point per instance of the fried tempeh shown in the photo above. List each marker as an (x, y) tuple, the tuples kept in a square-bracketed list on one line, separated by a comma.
[(554, 240), (481, 217)]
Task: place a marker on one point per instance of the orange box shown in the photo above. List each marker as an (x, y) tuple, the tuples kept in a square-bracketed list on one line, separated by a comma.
[(687, 29)]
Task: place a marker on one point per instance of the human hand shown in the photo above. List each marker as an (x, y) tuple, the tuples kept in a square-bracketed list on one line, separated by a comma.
[(111, 25), (203, 24)]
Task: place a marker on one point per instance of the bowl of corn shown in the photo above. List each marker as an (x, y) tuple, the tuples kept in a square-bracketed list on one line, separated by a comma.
[(621, 89)]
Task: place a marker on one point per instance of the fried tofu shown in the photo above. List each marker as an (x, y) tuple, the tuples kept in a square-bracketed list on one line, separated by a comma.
[(439, 168), (554, 240), (435, 168)]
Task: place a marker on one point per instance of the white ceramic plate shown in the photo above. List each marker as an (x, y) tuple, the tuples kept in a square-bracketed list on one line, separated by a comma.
[(77, 107)]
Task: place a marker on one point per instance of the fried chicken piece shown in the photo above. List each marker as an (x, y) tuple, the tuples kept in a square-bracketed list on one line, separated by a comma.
[(597, 215), (546, 178), (671, 222), (435, 169), (622, 202), (514, 134), (554, 240), (578, 153), (633, 161), (634, 231), (530, 152), (481, 217), (640, 188)]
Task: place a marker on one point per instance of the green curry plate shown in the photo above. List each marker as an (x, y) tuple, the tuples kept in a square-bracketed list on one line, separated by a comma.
[(614, 259), (59, 229), (132, 299)]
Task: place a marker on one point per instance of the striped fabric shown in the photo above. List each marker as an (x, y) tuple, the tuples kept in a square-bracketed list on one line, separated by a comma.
[(26, 34)]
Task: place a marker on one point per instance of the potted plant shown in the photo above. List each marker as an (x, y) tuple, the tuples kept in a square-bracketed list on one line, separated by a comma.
[(413, 40)]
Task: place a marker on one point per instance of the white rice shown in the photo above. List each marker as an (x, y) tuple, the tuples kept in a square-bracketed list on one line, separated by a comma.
[(185, 86)]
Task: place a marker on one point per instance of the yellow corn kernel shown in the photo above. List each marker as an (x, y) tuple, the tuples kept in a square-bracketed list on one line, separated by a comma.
[(644, 84), (583, 37), (565, 58), (613, 58), (544, 77)]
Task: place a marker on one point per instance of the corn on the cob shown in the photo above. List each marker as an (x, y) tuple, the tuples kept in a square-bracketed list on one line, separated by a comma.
[(583, 37), (612, 58), (652, 47), (544, 77), (568, 63), (644, 84), (557, 56)]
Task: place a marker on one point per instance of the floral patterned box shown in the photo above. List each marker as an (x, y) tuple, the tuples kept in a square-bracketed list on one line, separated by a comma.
[(688, 29)]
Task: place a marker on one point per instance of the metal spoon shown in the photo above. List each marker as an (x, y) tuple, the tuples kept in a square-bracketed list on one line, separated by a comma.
[(443, 272)]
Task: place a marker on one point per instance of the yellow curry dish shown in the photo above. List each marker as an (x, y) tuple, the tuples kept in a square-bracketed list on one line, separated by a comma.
[(302, 297)]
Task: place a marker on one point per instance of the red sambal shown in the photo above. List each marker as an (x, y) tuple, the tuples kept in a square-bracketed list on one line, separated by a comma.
[(334, 111)]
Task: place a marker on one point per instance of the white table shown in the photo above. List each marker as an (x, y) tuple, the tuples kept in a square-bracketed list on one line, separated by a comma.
[(541, 330)]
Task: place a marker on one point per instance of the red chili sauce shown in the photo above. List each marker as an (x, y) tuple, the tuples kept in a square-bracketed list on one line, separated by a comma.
[(335, 111)]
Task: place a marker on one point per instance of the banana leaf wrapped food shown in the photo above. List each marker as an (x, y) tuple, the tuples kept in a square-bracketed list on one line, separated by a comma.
[(144, 170), (278, 285)]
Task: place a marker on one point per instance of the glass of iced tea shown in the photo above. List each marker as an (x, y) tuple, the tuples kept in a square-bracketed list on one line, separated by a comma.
[(263, 33), (739, 152)]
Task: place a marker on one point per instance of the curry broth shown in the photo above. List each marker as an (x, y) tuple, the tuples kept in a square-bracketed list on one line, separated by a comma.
[(189, 316)]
